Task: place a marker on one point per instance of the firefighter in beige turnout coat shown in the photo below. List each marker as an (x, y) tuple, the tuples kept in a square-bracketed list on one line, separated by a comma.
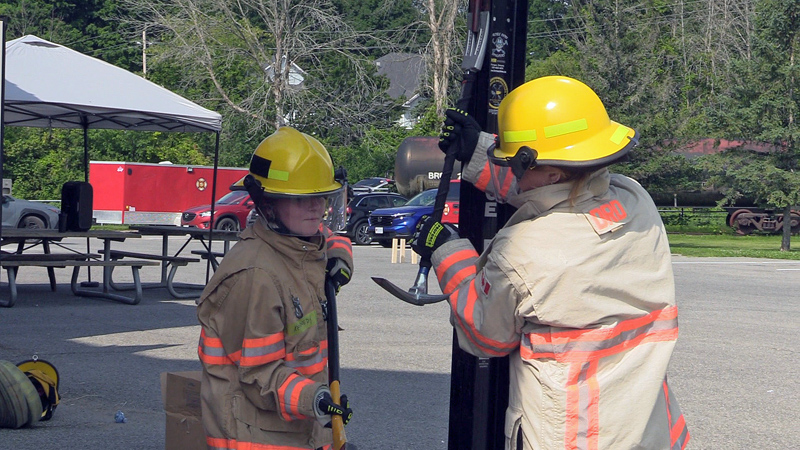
[(263, 342), (577, 287)]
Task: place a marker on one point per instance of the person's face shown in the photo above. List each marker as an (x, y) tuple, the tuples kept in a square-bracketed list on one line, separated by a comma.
[(540, 176), (302, 216)]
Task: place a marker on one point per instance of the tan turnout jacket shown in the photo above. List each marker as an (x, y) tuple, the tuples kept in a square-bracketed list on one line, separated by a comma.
[(263, 341), (582, 299)]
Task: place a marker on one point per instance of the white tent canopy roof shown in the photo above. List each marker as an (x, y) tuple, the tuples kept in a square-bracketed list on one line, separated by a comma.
[(49, 85)]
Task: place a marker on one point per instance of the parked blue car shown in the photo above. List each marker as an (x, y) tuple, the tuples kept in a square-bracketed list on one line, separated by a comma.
[(386, 224), (400, 222)]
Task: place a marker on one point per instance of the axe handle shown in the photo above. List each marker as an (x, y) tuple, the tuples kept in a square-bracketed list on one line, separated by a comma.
[(337, 425), (463, 104)]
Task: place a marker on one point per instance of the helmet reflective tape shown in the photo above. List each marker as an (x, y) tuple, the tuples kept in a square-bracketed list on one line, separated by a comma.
[(260, 166), (520, 136)]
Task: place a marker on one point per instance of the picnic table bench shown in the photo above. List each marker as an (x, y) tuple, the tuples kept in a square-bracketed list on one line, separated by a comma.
[(214, 256), (173, 262), (13, 264)]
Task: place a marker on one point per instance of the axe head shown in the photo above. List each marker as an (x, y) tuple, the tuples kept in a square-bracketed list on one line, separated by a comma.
[(416, 295)]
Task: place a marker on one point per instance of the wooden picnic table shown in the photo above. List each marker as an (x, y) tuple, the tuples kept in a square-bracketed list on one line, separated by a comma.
[(28, 239)]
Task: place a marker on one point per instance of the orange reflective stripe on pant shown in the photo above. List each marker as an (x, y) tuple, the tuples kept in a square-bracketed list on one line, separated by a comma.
[(289, 396), (596, 343), (232, 444), (678, 431)]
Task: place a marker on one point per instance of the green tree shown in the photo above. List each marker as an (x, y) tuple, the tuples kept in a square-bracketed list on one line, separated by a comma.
[(767, 113)]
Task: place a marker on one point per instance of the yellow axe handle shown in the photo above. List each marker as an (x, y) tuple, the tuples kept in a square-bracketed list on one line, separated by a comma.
[(339, 438)]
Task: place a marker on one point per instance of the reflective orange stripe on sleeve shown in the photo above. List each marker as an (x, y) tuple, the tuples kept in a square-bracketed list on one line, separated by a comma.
[(263, 350), (455, 268), (485, 177), (289, 396), (210, 351), (340, 242), (313, 360), (464, 313), (596, 343)]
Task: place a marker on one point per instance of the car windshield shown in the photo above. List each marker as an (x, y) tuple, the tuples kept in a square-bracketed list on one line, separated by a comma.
[(426, 198), (369, 182), (232, 198)]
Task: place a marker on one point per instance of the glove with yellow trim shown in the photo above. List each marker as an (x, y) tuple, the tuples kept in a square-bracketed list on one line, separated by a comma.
[(337, 271), (462, 129), (430, 235), (324, 407)]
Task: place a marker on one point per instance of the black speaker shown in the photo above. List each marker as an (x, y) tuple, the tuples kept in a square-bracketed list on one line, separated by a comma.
[(76, 206)]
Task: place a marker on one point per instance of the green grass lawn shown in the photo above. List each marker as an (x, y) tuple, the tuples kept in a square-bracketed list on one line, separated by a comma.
[(725, 245)]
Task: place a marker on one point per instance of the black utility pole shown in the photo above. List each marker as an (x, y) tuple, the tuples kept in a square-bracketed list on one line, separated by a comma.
[(479, 386)]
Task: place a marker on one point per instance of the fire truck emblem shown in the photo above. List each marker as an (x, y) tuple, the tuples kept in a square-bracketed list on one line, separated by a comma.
[(201, 184)]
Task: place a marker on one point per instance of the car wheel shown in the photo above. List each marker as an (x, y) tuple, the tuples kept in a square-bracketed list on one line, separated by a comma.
[(227, 224), (31, 221), (360, 236)]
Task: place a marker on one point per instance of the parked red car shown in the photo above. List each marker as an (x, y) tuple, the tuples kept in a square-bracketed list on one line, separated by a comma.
[(452, 205), (230, 213)]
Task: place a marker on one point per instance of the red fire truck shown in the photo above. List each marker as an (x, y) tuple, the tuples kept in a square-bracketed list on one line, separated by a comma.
[(143, 193)]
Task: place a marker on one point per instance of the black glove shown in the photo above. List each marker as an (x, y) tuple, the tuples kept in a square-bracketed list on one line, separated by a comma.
[(324, 406), (337, 271), (462, 129), (430, 235)]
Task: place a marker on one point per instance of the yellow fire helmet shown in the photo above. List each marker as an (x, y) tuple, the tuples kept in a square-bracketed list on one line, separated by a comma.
[(44, 377), (558, 121), (292, 164)]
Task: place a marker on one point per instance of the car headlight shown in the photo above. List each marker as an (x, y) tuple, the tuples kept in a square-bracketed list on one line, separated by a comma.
[(403, 215), (205, 214)]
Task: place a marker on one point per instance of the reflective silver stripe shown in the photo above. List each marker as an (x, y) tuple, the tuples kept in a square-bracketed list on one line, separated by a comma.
[(287, 397), (252, 352), (589, 346), (318, 358)]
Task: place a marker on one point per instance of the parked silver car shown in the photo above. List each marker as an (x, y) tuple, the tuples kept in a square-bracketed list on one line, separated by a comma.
[(19, 213)]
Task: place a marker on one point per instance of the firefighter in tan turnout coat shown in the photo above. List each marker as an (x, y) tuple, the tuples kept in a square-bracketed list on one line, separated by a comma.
[(577, 287), (263, 342)]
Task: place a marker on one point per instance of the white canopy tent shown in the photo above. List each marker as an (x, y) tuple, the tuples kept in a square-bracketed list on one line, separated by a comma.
[(49, 85)]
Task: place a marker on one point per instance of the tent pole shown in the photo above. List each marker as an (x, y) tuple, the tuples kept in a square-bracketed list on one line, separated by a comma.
[(85, 123), (2, 118), (213, 199)]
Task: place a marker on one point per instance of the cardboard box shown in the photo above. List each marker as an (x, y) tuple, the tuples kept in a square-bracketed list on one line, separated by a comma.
[(180, 392)]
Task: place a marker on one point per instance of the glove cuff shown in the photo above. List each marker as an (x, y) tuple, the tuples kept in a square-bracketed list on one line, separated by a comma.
[(320, 392)]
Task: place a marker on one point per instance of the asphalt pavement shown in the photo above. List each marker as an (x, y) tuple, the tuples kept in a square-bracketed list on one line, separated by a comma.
[(735, 369)]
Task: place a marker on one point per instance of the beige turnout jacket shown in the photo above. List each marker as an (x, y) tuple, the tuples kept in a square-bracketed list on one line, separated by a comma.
[(582, 299), (263, 342)]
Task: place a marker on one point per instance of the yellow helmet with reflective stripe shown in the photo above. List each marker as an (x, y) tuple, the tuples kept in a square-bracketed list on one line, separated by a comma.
[(564, 122), (293, 163)]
